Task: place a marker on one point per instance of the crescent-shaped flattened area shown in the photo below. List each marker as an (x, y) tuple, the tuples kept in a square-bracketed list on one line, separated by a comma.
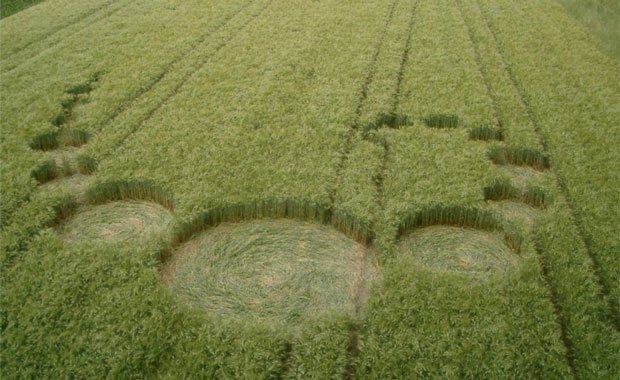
[(279, 270)]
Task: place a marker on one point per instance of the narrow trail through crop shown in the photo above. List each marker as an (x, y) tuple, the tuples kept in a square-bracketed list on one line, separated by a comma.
[(352, 351), (340, 166), (481, 69), (394, 106), (287, 359), (614, 309), (372, 68), (557, 309), (354, 332), (195, 45), (352, 348), (38, 52), (171, 94), (55, 31)]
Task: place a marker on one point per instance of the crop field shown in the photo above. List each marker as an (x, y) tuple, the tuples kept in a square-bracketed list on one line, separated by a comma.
[(308, 189), (602, 17)]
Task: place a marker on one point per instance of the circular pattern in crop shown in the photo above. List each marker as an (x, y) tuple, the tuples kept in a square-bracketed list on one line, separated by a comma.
[(521, 176), (457, 250), (275, 270), (117, 222), (518, 211)]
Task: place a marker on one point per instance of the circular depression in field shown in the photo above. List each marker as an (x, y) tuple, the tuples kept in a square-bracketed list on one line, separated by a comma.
[(457, 250), (522, 175), (118, 221), (276, 270), (75, 184), (522, 212)]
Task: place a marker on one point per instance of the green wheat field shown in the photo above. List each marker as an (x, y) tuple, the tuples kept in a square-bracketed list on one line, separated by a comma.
[(278, 189)]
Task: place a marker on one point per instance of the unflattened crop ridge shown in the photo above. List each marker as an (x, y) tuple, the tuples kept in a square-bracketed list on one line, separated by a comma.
[(390, 119), (519, 156), (486, 133), (107, 191), (503, 189), (269, 208), (442, 120)]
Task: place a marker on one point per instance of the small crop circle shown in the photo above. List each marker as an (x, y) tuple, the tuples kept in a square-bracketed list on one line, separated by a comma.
[(517, 211), (272, 270), (465, 251), (120, 221)]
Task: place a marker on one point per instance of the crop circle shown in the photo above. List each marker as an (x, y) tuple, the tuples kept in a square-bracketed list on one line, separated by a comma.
[(279, 270), (118, 221), (517, 211), (466, 251)]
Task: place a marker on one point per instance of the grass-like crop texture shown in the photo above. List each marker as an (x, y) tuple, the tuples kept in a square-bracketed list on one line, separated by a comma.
[(309, 189), (602, 18), (278, 270), (9, 7)]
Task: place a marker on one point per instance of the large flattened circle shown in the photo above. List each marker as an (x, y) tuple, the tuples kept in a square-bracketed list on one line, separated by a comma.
[(275, 270), (456, 250), (120, 221)]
